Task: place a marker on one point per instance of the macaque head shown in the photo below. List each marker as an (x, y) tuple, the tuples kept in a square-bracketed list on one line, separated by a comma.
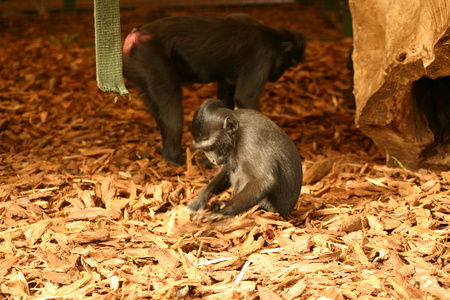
[(291, 50), (214, 129), (298, 53)]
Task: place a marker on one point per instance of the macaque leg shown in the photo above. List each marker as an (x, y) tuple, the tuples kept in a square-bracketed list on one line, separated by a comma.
[(218, 184), (166, 107), (155, 77), (249, 88), (267, 205), (225, 93), (245, 199), (170, 122)]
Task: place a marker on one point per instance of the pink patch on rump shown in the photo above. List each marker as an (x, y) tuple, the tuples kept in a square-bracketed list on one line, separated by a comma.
[(134, 37)]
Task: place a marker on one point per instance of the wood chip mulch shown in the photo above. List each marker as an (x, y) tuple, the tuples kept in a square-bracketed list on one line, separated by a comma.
[(89, 210)]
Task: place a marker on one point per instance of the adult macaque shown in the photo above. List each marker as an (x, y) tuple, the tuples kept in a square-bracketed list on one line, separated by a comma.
[(235, 51), (258, 160)]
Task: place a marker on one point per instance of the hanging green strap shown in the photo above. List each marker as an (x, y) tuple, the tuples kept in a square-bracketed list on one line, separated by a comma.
[(108, 47)]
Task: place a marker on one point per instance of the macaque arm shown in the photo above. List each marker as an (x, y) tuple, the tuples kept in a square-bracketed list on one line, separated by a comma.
[(225, 93), (218, 184), (250, 86)]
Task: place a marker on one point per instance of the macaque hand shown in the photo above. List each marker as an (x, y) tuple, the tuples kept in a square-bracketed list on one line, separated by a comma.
[(207, 217), (198, 204)]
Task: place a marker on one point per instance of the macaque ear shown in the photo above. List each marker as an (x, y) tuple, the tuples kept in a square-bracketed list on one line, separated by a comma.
[(230, 125), (286, 46)]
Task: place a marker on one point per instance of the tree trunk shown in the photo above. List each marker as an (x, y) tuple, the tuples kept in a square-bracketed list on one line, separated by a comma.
[(401, 62)]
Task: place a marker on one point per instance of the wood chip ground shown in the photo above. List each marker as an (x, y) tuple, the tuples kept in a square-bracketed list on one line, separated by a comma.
[(90, 211)]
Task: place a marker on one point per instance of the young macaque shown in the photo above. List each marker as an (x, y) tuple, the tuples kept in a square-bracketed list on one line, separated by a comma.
[(257, 159), (236, 51)]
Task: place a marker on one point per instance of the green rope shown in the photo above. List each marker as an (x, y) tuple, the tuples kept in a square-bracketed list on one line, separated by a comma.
[(108, 47)]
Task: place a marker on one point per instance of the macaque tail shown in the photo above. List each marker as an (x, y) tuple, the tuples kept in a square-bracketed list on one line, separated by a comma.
[(133, 38)]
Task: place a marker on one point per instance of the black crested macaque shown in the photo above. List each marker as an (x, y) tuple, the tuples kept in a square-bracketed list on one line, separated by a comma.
[(258, 160), (236, 51)]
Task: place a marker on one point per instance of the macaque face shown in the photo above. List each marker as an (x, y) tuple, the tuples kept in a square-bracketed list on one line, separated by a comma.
[(214, 133), (215, 147), (213, 157)]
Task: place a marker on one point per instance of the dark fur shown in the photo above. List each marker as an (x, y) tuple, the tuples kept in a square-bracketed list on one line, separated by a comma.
[(236, 51), (258, 160)]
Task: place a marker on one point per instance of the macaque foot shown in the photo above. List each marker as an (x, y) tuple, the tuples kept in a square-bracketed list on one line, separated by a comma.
[(217, 205), (178, 160)]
